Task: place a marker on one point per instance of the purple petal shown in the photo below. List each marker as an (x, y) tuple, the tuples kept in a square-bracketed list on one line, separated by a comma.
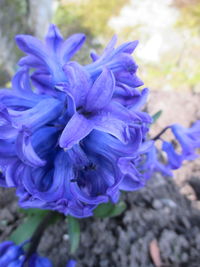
[(45, 111), (109, 48), (122, 61), (43, 82), (133, 180), (13, 173), (12, 253), (107, 53), (127, 47), (79, 210), (194, 132), (17, 263), (71, 107), (16, 100), (54, 38), (21, 82), (145, 147), (101, 92), (31, 61), (5, 117), (109, 124), (76, 129), (35, 47), (6, 129), (78, 82), (188, 139), (50, 185), (128, 78), (2, 181), (126, 95), (71, 45), (145, 117), (120, 112), (6, 148), (38, 261), (85, 198), (25, 150), (174, 159), (32, 46), (4, 246), (71, 263), (140, 100), (94, 56)]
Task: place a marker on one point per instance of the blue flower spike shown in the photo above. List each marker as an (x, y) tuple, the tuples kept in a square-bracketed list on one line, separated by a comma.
[(74, 136)]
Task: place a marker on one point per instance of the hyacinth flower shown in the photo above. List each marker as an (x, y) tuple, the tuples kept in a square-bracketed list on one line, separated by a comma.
[(119, 60), (94, 108), (73, 137), (189, 139), (71, 263), (49, 57), (12, 255), (52, 118), (174, 159), (150, 163)]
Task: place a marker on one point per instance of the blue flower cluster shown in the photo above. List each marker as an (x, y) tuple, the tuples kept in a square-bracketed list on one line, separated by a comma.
[(73, 136), (188, 139), (12, 255)]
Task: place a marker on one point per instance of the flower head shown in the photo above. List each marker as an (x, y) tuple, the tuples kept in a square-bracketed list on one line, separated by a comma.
[(189, 139), (12, 255), (71, 136)]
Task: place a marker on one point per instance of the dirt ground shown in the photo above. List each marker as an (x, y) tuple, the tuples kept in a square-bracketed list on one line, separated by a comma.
[(161, 226)]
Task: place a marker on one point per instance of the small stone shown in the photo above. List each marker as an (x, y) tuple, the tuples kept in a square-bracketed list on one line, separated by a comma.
[(157, 204), (3, 222), (65, 237), (6, 215), (184, 257), (167, 210), (148, 215), (104, 263), (168, 202)]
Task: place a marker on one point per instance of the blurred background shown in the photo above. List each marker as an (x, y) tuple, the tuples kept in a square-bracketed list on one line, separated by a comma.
[(168, 31), (161, 225)]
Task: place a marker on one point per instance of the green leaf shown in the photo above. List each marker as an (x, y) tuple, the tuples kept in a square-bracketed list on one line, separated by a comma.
[(103, 210), (32, 212), (109, 210), (74, 233), (26, 229), (156, 116), (119, 208)]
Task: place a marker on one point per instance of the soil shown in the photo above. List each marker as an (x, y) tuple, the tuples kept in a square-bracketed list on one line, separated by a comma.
[(161, 226)]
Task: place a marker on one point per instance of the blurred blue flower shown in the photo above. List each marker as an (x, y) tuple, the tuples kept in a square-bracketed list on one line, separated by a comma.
[(12, 255), (38, 261), (174, 159), (71, 263), (188, 138), (151, 163)]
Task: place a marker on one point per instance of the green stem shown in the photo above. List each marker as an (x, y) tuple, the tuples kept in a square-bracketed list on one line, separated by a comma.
[(37, 235), (162, 132)]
